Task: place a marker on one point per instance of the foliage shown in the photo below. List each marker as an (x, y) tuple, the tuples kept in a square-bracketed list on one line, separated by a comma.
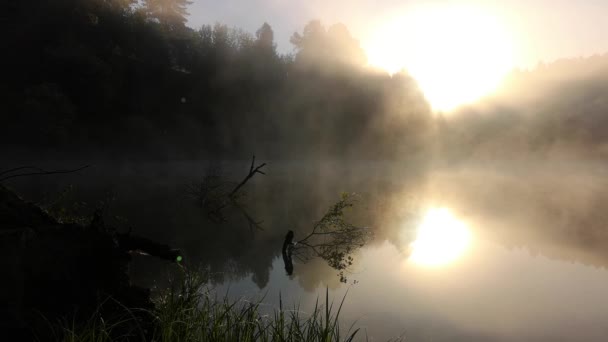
[(332, 45), (126, 326), (190, 311), (171, 13), (128, 79), (65, 209), (333, 238)]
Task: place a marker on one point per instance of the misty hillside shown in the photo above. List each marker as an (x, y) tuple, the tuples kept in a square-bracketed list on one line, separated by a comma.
[(556, 110)]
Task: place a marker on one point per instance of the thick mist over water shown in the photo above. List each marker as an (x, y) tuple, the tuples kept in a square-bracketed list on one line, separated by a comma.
[(167, 118)]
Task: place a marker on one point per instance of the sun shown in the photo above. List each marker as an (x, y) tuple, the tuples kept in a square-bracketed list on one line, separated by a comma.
[(456, 54), (441, 239)]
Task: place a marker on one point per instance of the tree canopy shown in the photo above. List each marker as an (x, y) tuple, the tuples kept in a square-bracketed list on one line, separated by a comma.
[(128, 78), (332, 45)]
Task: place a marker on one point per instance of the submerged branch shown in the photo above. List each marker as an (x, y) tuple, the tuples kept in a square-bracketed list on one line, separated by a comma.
[(214, 195), (332, 238), (130, 243)]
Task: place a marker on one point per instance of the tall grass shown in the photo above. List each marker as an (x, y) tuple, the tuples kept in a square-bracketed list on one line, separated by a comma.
[(125, 325), (190, 311)]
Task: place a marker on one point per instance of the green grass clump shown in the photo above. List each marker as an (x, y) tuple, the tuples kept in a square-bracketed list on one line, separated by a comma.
[(189, 311)]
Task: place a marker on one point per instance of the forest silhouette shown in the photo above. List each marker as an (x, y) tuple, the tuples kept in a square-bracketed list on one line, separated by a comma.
[(122, 79), (129, 80)]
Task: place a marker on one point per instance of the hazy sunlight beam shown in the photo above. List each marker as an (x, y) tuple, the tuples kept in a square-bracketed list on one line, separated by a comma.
[(457, 54), (441, 239)]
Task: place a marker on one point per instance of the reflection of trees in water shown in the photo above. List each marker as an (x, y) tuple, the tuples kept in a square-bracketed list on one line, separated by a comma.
[(559, 211), (332, 239), (221, 201), (152, 200), (560, 215), (316, 274), (289, 206), (213, 194)]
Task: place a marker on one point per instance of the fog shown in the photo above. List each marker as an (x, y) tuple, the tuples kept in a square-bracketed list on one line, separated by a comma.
[(157, 107)]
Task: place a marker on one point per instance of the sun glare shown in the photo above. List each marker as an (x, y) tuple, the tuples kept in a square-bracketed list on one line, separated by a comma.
[(456, 54), (441, 239)]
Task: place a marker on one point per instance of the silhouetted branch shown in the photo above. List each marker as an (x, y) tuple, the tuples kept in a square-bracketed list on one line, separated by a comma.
[(332, 223), (252, 171), (331, 238), (214, 195), (21, 168), (40, 172)]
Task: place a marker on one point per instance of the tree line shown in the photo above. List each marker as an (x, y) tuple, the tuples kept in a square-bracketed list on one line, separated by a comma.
[(129, 79)]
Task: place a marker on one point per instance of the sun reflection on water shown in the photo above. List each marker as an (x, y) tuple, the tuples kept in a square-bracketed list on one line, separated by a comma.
[(441, 239)]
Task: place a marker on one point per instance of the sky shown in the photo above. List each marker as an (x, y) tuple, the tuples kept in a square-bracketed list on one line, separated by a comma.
[(541, 30)]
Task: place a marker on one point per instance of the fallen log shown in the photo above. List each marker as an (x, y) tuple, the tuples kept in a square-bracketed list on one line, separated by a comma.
[(56, 271)]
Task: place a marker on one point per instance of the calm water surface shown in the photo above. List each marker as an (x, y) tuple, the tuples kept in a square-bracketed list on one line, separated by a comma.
[(532, 267)]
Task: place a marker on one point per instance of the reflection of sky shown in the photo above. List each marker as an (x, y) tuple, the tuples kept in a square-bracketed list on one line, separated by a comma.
[(555, 208), (493, 294), (545, 29)]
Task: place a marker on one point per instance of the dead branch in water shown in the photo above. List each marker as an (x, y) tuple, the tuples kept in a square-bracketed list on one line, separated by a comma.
[(332, 238), (252, 171), (214, 195)]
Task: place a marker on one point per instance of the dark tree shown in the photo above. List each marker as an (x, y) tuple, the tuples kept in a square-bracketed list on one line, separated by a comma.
[(127, 78), (265, 37), (317, 44)]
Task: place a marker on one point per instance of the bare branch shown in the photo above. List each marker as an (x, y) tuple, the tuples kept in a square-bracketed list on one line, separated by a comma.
[(252, 171), (214, 195), (333, 239), (21, 168), (40, 172)]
